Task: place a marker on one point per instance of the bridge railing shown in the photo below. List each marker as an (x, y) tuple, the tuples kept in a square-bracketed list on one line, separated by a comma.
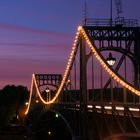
[(120, 95), (121, 21)]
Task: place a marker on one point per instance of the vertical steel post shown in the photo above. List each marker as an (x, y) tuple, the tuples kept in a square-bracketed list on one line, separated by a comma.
[(92, 62), (75, 74), (111, 86), (83, 90), (137, 55), (101, 83)]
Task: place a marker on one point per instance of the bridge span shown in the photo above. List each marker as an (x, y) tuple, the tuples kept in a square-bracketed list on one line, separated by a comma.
[(98, 96)]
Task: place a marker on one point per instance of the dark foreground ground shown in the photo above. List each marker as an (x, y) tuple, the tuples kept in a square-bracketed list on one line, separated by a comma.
[(15, 132), (20, 132)]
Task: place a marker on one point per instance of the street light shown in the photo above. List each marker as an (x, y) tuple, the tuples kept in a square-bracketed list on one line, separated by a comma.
[(111, 61), (56, 115), (26, 103), (48, 93)]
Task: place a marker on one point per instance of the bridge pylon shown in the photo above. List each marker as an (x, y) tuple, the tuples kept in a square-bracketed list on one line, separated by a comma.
[(83, 91)]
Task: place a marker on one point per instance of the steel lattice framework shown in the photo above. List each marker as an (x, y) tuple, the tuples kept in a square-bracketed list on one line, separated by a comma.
[(112, 38)]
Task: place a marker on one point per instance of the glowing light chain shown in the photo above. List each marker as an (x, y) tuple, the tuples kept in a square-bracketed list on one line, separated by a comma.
[(30, 98), (34, 82), (111, 73)]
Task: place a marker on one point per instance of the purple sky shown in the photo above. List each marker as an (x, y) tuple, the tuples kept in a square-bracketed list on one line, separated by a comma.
[(36, 35)]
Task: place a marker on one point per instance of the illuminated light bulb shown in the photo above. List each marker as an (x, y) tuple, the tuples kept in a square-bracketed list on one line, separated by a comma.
[(72, 52), (108, 70), (68, 64), (36, 101), (120, 108), (98, 107), (100, 61), (26, 103), (66, 71), (79, 28), (123, 84), (74, 44), (112, 74), (67, 68), (89, 106), (75, 40), (91, 47), (129, 88), (108, 107), (73, 48), (89, 43), (133, 90), (134, 109), (96, 56), (77, 34), (95, 53), (126, 86), (103, 65), (118, 80)]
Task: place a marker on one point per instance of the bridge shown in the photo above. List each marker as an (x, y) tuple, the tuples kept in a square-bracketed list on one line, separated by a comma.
[(98, 96)]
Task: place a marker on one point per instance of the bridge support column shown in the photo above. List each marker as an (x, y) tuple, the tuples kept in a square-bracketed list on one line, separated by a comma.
[(137, 55), (83, 91)]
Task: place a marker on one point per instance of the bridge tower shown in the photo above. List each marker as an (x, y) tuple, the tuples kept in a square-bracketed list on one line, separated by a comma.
[(123, 38), (83, 91)]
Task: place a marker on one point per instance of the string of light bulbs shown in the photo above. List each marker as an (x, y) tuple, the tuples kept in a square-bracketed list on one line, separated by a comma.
[(69, 63)]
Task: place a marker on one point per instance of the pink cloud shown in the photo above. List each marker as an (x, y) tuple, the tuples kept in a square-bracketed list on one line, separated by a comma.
[(19, 28), (19, 71)]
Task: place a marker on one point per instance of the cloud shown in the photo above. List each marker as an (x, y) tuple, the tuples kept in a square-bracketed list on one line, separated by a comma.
[(18, 28)]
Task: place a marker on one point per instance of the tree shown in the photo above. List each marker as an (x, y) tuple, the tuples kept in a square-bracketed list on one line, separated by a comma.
[(12, 98)]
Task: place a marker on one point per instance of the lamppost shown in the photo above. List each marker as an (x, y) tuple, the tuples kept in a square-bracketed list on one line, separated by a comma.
[(111, 61), (48, 94)]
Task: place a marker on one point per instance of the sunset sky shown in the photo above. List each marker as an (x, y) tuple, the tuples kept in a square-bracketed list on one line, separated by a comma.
[(36, 35)]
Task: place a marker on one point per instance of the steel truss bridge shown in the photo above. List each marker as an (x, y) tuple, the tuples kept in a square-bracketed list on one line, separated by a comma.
[(102, 100)]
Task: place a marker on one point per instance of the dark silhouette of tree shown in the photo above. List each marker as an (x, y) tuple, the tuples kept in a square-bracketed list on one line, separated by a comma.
[(12, 98)]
